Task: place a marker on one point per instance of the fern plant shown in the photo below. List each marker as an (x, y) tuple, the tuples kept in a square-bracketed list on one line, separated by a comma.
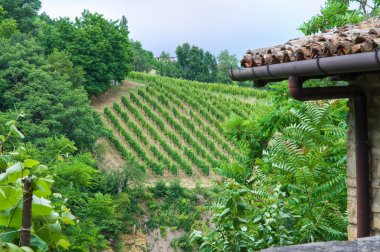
[(296, 192), (308, 158)]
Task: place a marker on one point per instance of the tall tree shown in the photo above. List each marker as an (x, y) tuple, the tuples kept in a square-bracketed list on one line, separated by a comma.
[(101, 47), (168, 67), (8, 26), (24, 12), (196, 64), (225, 62), (45, 94), (142, 59), (183, 54), (210, 67)]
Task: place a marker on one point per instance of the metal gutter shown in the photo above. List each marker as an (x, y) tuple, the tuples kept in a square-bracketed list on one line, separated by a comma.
[(344, 65), (318, 67)]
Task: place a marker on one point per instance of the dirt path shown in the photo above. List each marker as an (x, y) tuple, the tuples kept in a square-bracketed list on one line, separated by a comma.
[(114, 94)]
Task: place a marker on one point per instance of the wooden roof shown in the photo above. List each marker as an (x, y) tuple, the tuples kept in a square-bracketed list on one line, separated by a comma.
[(349, 39)]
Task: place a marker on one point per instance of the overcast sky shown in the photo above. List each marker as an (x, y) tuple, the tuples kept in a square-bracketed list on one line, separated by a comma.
[(213, 25)]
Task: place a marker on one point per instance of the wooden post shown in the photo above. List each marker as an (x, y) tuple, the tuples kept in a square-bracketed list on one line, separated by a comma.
[(26, 213)]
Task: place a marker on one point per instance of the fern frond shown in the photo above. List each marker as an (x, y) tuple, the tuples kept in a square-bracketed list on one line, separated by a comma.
[(284, 167)]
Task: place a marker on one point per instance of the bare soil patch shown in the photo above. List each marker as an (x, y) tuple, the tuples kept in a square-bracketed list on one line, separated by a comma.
[(111, 161), (114, 94)]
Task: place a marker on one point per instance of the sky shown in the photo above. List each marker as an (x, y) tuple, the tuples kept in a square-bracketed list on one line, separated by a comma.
[(213, 25)]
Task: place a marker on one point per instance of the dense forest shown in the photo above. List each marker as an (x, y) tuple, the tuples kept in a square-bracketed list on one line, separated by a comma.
[(271, 169)]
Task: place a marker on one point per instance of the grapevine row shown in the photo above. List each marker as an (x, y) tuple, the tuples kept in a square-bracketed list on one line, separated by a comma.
[(214, 87), (201, 111), (193, 116), (157, 168), (188, 138), (200, 151), (189, 124), (166, 147), (123, 152), (171, 167)]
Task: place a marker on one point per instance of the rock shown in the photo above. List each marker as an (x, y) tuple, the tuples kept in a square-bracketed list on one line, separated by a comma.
[(368, 244)]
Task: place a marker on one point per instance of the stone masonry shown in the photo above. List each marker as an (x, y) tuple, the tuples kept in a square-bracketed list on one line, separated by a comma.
[(371, 85)]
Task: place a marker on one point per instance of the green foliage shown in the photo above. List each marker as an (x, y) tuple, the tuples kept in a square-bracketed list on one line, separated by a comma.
[(166, 66), (16, 167), (225, 62), (160, 189), (98, 46), (60, 62), (30, 84), (183, 243), (312, 155), (90, 193), (174, 207), (296, 191), (8, 26), (335, 13), (86, 236), (102, 205), (24, 12), (142, 59), (250, 220), (196, 64)]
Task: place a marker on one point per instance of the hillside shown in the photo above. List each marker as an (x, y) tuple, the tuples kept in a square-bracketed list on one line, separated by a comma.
[(173, 128)]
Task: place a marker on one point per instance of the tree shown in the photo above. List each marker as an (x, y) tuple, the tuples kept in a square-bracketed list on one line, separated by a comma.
[(196, 64), (209, 68), (183, 53), (51, 103), (8, 26), (225, 62), (100, 47), (60, 62), (167, 67), (337, 13), (142, 59), (24, 12)]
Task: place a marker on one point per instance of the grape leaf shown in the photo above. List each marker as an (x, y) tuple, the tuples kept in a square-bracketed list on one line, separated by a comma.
[(42, 186), (63, 244), (15, 172), (10, 196), (30, 163), (41, 206)]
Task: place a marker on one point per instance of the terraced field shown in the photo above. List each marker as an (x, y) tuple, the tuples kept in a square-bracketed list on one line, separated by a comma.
[(174, 127)]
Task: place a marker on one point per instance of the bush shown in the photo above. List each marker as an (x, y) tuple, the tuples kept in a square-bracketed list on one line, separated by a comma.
[(160, 189)]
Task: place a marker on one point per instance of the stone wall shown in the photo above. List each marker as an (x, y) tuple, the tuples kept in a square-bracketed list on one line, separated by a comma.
[(367, 244), (371, 85)]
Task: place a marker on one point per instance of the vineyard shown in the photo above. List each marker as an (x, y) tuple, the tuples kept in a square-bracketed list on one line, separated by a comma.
[(171, 126)]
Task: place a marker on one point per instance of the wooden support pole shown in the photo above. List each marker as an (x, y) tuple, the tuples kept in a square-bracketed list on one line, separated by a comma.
[(26, 213)]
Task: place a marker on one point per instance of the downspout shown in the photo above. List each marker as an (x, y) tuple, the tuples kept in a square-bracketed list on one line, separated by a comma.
[(363, 209)]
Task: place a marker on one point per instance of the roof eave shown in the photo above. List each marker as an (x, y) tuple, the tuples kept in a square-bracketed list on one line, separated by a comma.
[(314, 68)]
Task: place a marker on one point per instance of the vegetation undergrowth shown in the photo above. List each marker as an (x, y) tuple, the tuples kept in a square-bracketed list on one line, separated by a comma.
[(280, 163)]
